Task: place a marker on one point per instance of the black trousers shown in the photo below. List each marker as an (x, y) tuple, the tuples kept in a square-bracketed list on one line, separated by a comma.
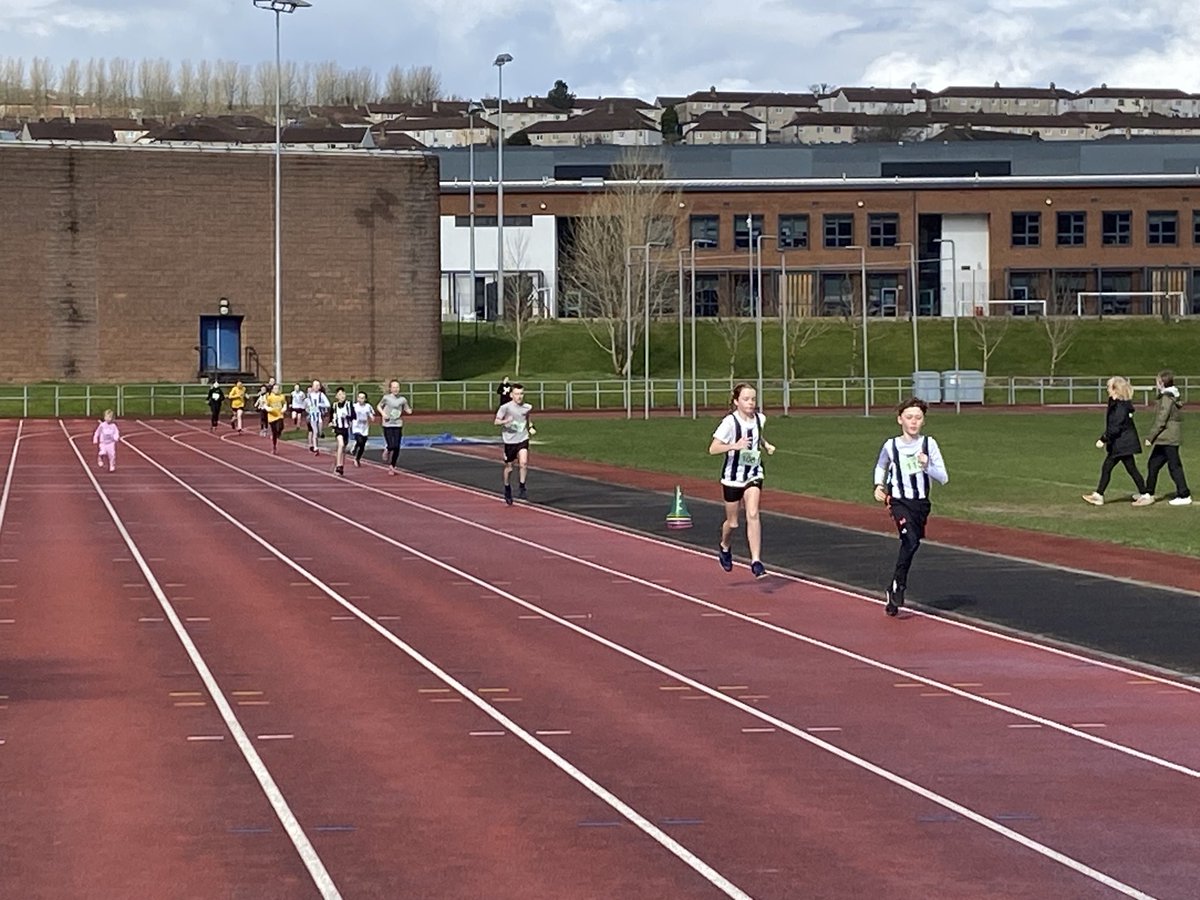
[(360, 446), (215, 409), (1166, 455), (392, 436), (910, 517), (1110, 463)]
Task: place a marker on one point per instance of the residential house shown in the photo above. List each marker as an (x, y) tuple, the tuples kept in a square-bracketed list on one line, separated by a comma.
[(875, 101), (448, 130), (1015, 101), (583, 105), (825, 127), (725, 127), (520, 114), (383, 111), (712, 100), (1166, 101), (611, 124), (778, 109), (66, 130)]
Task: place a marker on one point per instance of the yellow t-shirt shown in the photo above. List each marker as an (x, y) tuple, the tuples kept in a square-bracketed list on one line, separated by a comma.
[(237, 397), (276, 404)]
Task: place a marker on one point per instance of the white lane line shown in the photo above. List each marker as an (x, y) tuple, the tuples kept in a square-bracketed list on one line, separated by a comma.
[(8, 477), (982, 697), (675, 676), (485, 733), (276, 737), (206, 737), (316, 868), (715, 878)]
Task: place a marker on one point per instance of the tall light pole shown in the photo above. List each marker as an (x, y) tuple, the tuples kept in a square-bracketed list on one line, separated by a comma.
[(862, 255), (646, 326), (758, 318), (278, 7), (473, 109), (913, 294), (500, 62), (784, 296), (706, 243), (954, 303)]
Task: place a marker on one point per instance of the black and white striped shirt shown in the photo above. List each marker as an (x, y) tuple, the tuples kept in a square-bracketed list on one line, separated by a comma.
[(740, 467), (898, 470), (342, 415)]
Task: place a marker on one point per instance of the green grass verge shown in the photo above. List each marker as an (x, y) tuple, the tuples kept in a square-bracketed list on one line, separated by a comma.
[(1021, 470)]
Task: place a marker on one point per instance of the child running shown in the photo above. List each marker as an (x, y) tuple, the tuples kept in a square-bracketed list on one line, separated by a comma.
[(364, 415), (392, 408), (317, 407), (216, 397), (341, 417), (513, 417), (106, 438), (237, 403), (276, 409), (299, 403), (739, 438), (903, 471), (1120, 438), (260, 404)]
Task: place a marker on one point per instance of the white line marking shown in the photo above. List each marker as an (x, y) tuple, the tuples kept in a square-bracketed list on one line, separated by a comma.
[(681, 852), (206, 737), (758, 731), (8, 477), (822, 728), (276, 737), (486, 733), (549, 733), (1025, 725), (300, 841)]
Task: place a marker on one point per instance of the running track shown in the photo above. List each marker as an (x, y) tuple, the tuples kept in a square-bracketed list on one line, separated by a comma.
[(227, 674)]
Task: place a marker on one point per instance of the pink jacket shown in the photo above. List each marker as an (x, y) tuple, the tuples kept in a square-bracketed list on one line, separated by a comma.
[(106, 433)]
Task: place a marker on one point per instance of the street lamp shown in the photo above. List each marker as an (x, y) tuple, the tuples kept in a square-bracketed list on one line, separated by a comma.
[(695, 242), (954, 303), (862, 255), (629, 325), (646, 327), (914, 293), (277, 7), (500, 62), (758, 318), (473, 109)]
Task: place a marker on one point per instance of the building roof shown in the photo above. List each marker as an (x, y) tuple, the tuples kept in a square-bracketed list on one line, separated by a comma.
[(999, 93), (712, 95), (1143, 93), (800, 101), (434, 123), (589, 103), (397, 140), (601, 119), (66, 130), (880, 95), (723, 120)]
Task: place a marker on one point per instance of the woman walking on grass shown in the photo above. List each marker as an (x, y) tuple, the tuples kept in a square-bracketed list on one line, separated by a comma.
[(1120, 437)]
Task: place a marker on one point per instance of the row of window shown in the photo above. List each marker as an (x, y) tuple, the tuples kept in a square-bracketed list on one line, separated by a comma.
[(1116, 228), (792, 230)]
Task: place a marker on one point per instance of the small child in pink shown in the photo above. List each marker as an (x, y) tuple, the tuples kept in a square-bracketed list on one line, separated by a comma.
[(106, 437)]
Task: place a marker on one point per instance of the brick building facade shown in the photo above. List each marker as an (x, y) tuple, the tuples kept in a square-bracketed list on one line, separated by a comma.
[(116, 261)]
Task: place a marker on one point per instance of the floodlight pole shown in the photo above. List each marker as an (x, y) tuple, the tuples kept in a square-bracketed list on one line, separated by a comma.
[(472, 109), (954, 303), (278, 7), (914, 293), (500, 62), (862, 255)]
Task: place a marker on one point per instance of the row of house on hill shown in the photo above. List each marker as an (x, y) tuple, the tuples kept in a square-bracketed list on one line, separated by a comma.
[(843, 115)]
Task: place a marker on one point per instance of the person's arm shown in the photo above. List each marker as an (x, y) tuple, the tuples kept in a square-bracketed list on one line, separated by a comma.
[(96, 434), (1161, 417), (1114, 422), (501, 417), (935, 467), (882, 465), (408, 410), (721, 443)]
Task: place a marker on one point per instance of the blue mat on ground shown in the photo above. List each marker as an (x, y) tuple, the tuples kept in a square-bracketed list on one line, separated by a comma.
[(438, 440)]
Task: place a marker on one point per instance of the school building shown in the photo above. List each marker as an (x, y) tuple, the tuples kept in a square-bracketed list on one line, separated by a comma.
[(1106, 227), (156, 263)]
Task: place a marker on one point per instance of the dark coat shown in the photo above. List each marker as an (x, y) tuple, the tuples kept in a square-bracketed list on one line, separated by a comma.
[(1120, 434)]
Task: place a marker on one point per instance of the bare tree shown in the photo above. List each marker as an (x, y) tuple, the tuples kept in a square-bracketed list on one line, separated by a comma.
[(245, 82), (802, 331), (204, 86), (986, 333), (395, 85), (225, 84), (264, 85), (290, 85), (156, 85), (1060, 335), (41, 83), (598, 266), (326, 77), (416, 84), (96, 81), (524, 308), (70, 83), (732, 329), (189, 100), (120, 84)]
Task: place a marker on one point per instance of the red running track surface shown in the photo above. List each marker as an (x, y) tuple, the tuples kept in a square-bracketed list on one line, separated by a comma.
[(415, 691)]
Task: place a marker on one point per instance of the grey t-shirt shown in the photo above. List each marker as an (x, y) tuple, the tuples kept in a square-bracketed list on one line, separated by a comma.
[(393, 407), (517, 430)]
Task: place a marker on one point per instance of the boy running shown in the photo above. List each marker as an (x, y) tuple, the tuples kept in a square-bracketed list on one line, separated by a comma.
[(739, 438), (216, 397), (513, 417), (903, 471), (392, 408)]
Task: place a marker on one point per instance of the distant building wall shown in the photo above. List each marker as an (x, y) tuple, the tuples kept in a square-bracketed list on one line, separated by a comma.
[(111, 256)]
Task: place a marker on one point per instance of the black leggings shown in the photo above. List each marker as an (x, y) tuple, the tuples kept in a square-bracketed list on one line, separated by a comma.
[(215, 409), (360, 446), (392, 436), (910, 517), (1166, 455), (1110, 463)]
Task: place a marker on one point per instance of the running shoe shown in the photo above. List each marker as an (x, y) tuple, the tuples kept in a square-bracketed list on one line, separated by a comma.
[(1180, 501), (521, 494), (758, 570), (895, 600), (725, 558), (508, 494)]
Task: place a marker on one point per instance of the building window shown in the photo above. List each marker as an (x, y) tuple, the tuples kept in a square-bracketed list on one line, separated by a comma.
[(839, 230), (1026, 229), (490, 221), (883, 229), (745, 229), (1116, 228), (707, 295), (661, 230), (706, 230), (793, 232), (1196, 226), (1072, 229), (1162, 228)]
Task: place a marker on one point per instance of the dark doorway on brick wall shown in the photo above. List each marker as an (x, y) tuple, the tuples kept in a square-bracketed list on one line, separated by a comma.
[(220, 344)]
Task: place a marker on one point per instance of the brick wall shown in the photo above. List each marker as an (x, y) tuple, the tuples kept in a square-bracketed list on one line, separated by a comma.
[(111, 255)]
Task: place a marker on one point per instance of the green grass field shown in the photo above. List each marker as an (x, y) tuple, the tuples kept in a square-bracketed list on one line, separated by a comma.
[(1021, 470)]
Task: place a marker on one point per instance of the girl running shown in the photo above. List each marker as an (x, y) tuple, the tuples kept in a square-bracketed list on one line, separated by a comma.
[(298, 405), (106, 438), (237, 403), (392, 408), (364, 415), (276, 409), (317, 407), (216, 397), (739, 438), (341, 417), (260, 404)]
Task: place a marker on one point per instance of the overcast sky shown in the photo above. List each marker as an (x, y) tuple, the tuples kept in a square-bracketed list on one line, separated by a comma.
[(650, 47)]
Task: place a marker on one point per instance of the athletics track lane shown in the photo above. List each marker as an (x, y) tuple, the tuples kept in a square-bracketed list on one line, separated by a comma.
[(103, 794), (1074, 810)]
